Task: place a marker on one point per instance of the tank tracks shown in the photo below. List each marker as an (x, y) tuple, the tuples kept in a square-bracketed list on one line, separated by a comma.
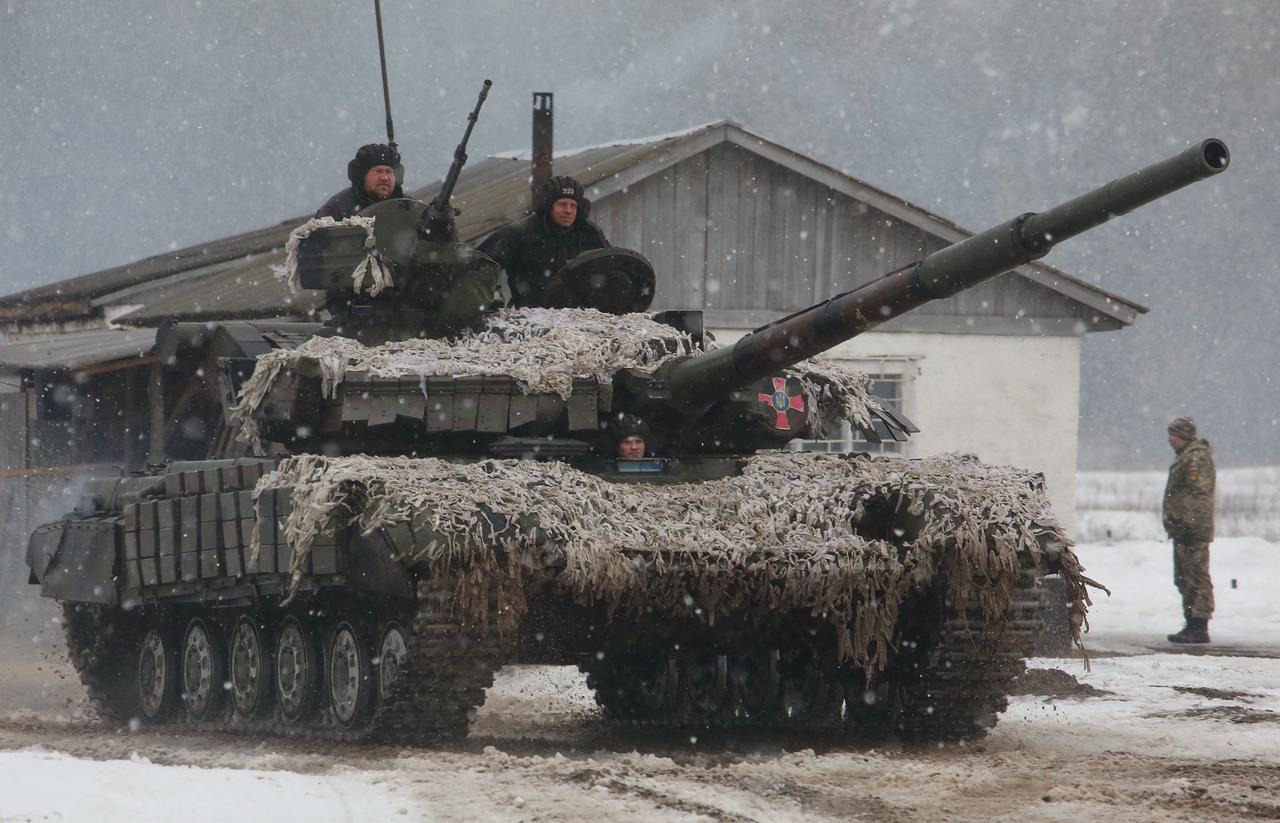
[(960, 680), (427, 694), (948, 680)]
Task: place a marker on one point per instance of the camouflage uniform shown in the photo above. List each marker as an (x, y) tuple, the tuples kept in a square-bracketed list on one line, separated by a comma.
[(1188, 520)]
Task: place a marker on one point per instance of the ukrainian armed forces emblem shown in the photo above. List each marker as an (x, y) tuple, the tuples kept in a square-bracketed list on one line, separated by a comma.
[(784, 399)]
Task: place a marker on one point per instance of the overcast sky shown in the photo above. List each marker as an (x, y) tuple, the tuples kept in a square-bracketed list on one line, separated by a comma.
[(130, 129)]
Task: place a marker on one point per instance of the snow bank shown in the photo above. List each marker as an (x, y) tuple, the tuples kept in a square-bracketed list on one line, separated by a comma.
[(1115, 506), (38, 785)]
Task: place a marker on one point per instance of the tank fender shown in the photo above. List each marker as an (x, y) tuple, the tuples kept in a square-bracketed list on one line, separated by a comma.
[(77, 560), (42, 547)]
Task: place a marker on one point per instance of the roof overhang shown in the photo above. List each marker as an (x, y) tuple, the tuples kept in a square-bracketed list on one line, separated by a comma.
[(81, 350)]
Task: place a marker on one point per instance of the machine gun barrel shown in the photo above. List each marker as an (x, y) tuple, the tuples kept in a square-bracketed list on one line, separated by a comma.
[(697, 381), (440, 203)]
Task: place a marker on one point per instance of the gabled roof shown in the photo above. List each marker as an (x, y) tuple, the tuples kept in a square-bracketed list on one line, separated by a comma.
[(230, 277)]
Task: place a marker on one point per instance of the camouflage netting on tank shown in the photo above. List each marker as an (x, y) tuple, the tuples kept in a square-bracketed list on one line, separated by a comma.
[(543, 350), (371, 265), (781, 537)]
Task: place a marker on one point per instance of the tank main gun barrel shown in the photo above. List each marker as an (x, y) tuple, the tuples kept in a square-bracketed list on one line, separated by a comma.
[(697, 381)]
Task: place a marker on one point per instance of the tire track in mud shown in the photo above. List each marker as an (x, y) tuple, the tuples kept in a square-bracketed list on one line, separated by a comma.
[(546, 747), (973, 783), (663, 799)]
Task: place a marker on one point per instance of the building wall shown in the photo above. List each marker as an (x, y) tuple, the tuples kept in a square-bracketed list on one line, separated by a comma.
[(729, 230), (1011, 400)]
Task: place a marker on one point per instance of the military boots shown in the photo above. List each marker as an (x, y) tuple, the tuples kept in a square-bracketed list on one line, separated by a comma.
[(1196, 631)]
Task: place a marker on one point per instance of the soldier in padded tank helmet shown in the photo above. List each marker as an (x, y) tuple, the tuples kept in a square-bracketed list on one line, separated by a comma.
[(538, 245), (375, 174)]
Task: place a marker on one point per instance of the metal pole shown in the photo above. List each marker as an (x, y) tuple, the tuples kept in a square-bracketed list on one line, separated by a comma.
[(382, 58), (155, 399)]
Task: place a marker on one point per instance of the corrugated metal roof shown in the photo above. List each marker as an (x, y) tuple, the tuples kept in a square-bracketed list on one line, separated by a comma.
[(230, 277), (78, 349)]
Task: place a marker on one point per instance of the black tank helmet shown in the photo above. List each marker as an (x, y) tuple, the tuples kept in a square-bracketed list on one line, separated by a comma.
[(374, 154), (625, 425), (550, 189)]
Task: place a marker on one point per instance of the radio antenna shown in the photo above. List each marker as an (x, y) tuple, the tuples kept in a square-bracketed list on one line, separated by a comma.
[(382, 58)]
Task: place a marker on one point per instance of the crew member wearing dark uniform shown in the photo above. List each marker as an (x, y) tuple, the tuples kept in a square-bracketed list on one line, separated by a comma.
[(1188, 520), (536, 246), (375, 174)]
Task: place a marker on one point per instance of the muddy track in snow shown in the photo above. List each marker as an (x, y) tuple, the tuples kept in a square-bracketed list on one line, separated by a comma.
[(539, 751)]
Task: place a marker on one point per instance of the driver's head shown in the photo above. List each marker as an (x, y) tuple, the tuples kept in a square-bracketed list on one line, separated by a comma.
[(631, 447)]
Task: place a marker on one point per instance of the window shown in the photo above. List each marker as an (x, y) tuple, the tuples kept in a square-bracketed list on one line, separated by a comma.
[(889, 382), (887, 387)]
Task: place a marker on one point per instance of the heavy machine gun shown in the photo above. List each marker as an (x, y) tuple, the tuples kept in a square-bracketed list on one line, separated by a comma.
[(437, 220)]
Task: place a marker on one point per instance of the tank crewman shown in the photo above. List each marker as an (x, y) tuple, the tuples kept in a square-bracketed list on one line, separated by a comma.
[(375, 174), (1188, 520), (630, 436), (631, 447), (536, 246)]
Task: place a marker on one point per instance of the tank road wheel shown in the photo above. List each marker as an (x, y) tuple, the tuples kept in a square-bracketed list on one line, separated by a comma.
[(298, 665), (250, 669), (808, 687), (393, 654), (635, 684), (653, 681), (157, 678), (754, 681), (706, 685), (350, 677), (204, 668)]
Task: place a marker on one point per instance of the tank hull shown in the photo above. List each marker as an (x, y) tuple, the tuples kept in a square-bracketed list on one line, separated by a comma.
[(364, 633)]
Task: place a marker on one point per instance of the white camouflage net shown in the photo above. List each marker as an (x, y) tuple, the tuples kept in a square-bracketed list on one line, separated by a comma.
[(543, 350), (779, 537)]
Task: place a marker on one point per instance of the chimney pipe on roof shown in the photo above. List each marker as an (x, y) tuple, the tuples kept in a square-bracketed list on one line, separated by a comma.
[(542, 123)]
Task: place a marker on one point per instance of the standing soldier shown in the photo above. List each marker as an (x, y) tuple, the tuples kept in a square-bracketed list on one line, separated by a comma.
[(538, 245), (1188, 520)]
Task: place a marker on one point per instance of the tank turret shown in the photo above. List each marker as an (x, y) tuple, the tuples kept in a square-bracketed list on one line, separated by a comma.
[(702, 400), (397, 270)]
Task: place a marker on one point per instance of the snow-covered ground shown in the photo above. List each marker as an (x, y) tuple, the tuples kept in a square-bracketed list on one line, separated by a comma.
[(1188, 734)]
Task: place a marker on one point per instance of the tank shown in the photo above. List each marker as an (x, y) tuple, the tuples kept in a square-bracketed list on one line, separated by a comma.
[(397, 518)]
